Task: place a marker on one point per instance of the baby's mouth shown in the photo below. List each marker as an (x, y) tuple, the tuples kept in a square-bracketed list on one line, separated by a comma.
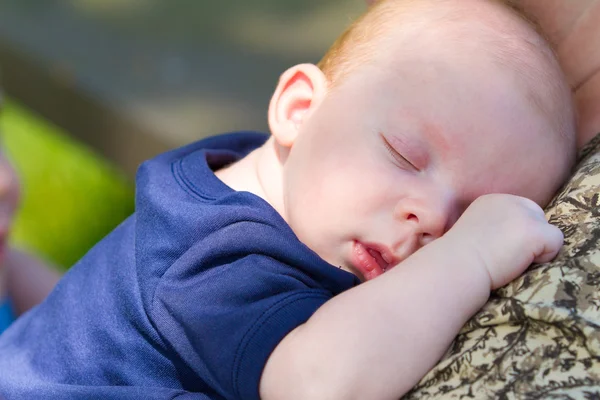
[(379, 258), (372, 259)]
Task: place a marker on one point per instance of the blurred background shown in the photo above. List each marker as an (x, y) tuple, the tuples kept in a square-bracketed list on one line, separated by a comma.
[(93, 87)]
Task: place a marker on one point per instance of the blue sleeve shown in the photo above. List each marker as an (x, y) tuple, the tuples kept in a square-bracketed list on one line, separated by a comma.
[(223, 323)]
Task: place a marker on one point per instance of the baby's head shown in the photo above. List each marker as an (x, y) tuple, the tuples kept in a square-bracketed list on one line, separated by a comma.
[(418, 109)]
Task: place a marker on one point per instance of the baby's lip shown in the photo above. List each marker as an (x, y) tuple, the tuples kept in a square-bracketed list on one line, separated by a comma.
[(372, 259), (385, 258)]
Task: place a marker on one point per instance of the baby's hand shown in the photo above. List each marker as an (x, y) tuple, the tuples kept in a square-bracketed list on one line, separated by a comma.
[(9, 199), (506, 233)]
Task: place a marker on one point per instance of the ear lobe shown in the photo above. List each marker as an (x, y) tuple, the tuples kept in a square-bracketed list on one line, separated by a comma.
[(299, 91)]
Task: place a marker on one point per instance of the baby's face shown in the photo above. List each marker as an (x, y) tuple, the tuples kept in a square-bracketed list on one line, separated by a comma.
[(392, 157)]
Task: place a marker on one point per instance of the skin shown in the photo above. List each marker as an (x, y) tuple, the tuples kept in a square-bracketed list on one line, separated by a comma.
[(573, 29), (407, 187), (571, 26), (401, 151), (422, 163)]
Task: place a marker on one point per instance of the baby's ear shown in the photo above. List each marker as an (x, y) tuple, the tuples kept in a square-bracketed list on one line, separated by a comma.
[(299, 91)]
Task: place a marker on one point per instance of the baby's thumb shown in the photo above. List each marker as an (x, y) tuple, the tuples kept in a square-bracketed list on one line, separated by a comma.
[(552, 240)]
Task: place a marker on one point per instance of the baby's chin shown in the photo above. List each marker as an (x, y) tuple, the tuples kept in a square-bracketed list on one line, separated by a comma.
[(344, 266)]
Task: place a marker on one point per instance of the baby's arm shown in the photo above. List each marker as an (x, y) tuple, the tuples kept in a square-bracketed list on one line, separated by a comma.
[(377, 340)]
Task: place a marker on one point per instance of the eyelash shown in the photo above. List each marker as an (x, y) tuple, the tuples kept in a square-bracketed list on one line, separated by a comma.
[(397, 156)]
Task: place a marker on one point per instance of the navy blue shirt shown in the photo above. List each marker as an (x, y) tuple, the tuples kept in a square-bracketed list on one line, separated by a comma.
[(185, 299)]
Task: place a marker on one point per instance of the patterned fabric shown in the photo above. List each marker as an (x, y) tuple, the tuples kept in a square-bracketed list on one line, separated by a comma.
[(538, 337)]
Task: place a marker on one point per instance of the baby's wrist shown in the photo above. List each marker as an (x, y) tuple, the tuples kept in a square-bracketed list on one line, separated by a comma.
[(470, 260)]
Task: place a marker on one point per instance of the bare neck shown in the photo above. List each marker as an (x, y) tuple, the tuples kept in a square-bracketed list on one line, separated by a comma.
[(260, 173)]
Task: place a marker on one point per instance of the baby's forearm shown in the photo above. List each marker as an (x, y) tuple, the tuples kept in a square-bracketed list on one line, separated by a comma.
[(377, 340)]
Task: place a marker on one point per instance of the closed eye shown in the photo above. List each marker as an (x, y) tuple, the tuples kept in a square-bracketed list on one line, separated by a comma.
[(403, 162)]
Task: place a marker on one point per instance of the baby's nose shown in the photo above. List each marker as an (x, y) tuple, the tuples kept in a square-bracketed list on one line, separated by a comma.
[(429, 218)]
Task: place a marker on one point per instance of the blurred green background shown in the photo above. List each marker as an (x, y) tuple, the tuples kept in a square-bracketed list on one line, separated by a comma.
[(71, 196)]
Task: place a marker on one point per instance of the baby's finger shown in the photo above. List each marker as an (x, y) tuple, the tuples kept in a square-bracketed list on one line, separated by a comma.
[(553, 240), (534, 209)]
